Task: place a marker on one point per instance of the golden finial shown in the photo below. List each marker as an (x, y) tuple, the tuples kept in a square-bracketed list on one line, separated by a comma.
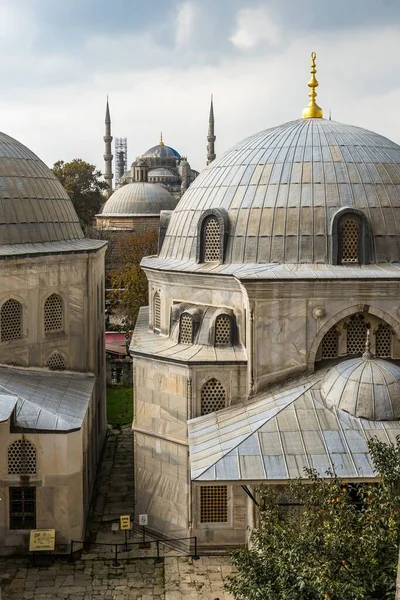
[(161, 143), (312, 111)]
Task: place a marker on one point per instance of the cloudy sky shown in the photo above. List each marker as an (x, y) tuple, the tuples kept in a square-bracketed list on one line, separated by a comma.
[(159, 61)]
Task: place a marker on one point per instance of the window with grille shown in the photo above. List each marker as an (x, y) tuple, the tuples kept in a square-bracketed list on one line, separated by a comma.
[(157, 310), (213, 396), (356, 334), (56, 362), (214, 504), (223, 330), (349, 241), (53, 313), (186, 329), (383, 341), (330, 344), (21, 458), (11, 320), (211, 240), (22, 508)]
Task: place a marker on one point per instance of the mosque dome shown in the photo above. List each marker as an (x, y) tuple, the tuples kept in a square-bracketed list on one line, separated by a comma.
[(364, 387), (161, 151), (138, 199), (35, 208), (279, 191), (162, 172)]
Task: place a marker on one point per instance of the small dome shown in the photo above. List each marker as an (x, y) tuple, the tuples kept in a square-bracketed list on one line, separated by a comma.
[(162, 172), (138, 199), (366, 388), (34, 207), (161, 151), (281, 188)]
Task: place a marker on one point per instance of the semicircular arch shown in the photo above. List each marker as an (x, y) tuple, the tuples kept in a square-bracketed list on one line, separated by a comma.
[(351, 310)]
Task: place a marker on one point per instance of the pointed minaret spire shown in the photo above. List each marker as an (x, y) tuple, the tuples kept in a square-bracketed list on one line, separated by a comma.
[(108, 157), (211, 136)]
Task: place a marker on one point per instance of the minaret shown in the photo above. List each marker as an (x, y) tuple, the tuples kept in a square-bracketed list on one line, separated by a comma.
[(108, 175), (211, 137)]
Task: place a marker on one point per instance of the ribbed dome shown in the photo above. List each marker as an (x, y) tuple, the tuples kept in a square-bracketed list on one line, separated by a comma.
[(137, 199), (34, 207), (161, 151), (364, 388), (281, 188), (162, 172)]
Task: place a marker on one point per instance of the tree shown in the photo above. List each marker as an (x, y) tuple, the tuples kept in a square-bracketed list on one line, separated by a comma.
[(82, 183), (340, 542), (129, 283)]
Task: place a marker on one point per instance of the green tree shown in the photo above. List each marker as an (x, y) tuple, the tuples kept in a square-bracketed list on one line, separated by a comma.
[(340, 541), (128, 281), (83, 185)]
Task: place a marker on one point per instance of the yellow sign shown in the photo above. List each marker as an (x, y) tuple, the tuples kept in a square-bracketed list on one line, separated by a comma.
[(125, 522), (42, 539)]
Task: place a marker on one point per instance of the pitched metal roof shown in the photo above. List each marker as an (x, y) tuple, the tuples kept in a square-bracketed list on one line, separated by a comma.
[(45, 401), (274, 437), (64, 247)]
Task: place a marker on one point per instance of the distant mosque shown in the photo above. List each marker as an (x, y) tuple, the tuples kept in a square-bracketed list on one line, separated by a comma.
[(155, 182)]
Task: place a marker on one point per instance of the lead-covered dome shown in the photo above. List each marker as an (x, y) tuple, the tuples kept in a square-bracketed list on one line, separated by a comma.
[(280, 190), (34, 207), (161, 151), (138, 199), (366, 388)]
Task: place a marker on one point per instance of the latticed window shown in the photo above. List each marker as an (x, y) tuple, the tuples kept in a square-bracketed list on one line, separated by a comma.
[(56, 362), (211, 240), (21, 458), (214, 504), (22, 508), (53, 313), (186, 329), (157, 310), (223, 330), (11, 320), (330, 344), (356, 334), (213, 396), (350, 241), (383, 341)]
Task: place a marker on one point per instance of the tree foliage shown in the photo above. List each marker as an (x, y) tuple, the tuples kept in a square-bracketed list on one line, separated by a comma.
[(83, 185), (342, 544), (129, 283)]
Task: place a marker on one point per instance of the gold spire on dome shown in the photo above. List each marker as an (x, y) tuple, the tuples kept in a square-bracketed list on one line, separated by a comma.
[(312, 111), (161, 143)]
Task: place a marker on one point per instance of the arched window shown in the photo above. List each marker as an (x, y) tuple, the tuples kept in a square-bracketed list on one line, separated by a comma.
[(11, 320), (349, 240), (56, 362), (223, 330), (211, 240), (157, 310), (186, 329), (213, 396), (21, 458), (356, 334), (330, 344), (53, 313), (383, 341)]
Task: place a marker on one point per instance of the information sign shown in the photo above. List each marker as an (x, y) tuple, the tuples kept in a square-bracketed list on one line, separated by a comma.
[(42, 540)]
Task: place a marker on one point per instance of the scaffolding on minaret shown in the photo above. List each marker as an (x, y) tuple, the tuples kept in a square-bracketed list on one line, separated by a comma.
[(121, 158)]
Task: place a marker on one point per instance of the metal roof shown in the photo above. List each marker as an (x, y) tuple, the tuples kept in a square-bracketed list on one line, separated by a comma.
[(34, 207), (138, 199), (274, 437), (45, 401), (276, 271), (161, 151), (281, 188), (64, 247)]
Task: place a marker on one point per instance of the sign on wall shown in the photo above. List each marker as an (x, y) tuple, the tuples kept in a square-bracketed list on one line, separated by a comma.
[(42, 540)]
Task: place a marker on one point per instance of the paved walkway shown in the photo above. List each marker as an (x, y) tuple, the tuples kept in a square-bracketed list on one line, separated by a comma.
[(93, 576)]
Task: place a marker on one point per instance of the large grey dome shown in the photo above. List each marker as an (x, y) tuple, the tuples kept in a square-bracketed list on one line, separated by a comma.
[(366, 388), (34, 207), (138, 199), (161, 151), (282, 187)]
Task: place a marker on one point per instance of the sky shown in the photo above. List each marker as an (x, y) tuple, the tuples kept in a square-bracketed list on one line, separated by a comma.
[(160, 60)]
